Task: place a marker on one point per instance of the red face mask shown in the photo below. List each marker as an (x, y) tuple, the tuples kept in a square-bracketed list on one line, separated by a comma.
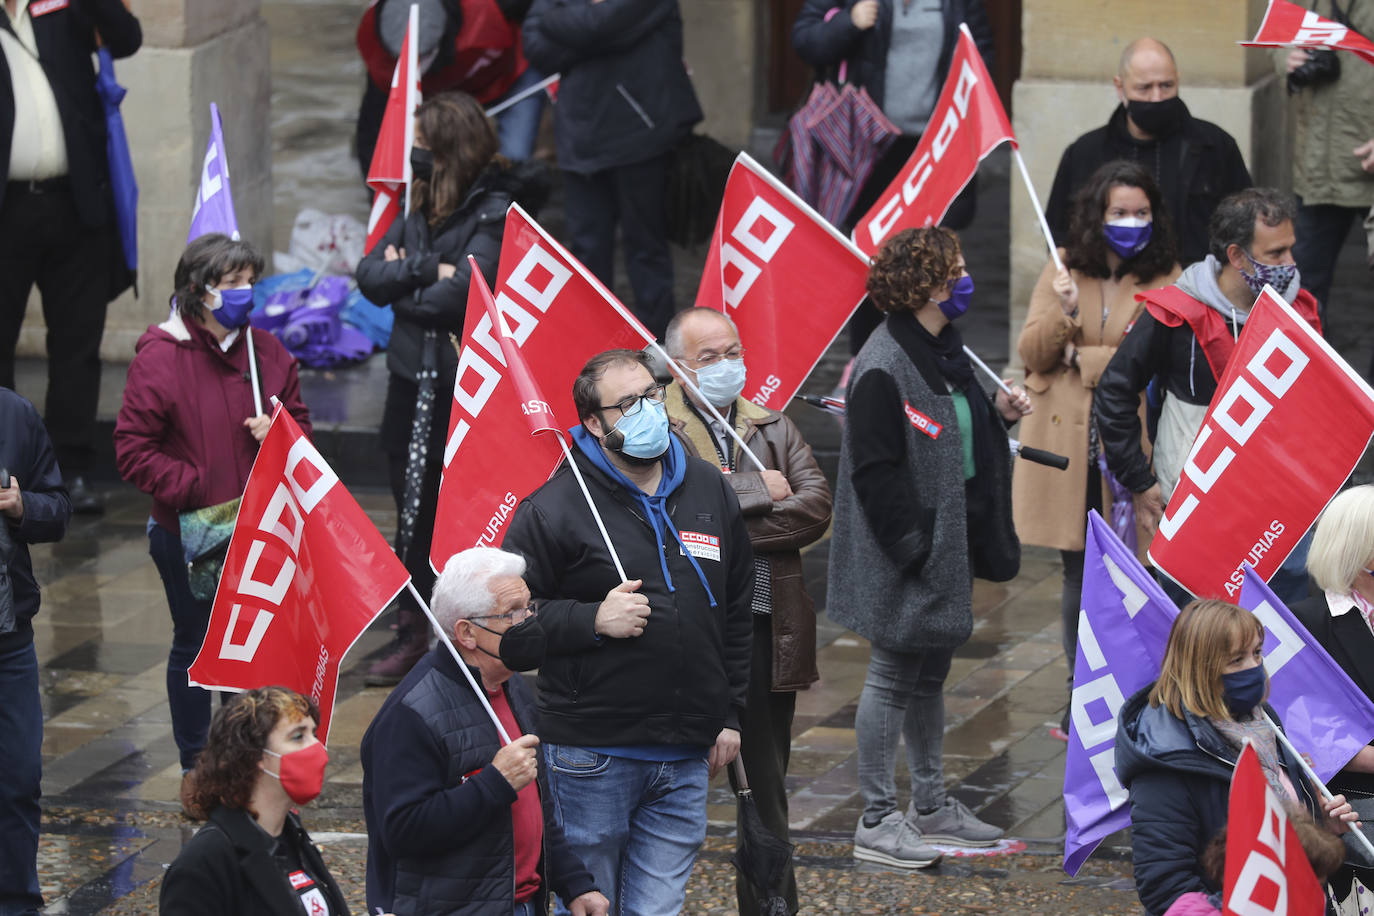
[(301, 772)]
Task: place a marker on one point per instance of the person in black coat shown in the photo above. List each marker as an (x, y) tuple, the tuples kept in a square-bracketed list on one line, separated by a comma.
[(625, 102), (57, 223), (461, 192), (1178, 741), (900, 52), (253, 855), (33, 508), (1194, 162)]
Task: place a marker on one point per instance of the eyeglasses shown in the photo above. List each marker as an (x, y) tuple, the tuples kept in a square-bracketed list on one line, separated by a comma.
[(710, 359), (515, 616), (634, 403)]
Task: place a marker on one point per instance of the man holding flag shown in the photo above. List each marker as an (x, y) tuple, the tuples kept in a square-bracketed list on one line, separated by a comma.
[(786, 507), (646, 678)]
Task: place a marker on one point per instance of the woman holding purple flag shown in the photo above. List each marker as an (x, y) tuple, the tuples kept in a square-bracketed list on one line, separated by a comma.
[(1177, 743), (1121, 241)]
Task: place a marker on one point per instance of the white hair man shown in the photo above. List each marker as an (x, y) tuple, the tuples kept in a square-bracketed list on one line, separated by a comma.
[(456, 822)]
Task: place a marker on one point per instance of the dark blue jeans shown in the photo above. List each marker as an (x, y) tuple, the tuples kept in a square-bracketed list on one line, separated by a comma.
[(21, 771), (190, 706), (1321, 230)]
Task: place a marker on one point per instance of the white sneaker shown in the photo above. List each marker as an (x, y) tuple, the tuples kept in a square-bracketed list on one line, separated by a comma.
[(893, 842)]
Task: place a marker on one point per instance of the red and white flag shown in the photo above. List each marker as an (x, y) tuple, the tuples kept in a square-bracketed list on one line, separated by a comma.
[(1287, 25), (968, 123), (1287, 425), (537, 412), (785, 276), (389, 172), (1267, 871), (305, 575), (560, 316)]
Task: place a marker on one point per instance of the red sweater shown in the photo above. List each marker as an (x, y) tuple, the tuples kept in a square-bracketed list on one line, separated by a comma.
[(180, 436)]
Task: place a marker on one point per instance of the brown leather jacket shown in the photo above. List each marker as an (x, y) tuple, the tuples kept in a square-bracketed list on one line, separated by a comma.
[(778, 530)]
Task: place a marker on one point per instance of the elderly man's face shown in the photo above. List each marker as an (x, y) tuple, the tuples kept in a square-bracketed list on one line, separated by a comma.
[(1150, 77), (706, 340), (510, 597)]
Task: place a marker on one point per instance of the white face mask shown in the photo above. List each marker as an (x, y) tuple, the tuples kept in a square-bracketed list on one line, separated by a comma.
[(722, 381)]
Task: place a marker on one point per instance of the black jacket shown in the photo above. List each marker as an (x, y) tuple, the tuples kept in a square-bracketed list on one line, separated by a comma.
[(66, 45), (1178, 773), (227, 869), (411, 285), (687, 676), (625, 95), (1348, 639), (26, 453), (1195, 167), (439, 829), (825, 44)]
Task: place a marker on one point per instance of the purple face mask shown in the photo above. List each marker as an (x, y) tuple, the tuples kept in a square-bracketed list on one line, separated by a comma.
[(960, 295), (1129, 236), (1279, 276)]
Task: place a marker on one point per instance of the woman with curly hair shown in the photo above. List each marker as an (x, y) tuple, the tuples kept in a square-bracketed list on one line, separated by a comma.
[(253, 855), (1121, 241), (922, 505)]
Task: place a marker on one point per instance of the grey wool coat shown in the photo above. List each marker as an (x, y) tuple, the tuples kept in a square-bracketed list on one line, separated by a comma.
[(902, 559)]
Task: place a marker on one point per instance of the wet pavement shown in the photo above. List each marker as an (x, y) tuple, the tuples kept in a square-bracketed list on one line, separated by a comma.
[(111, 820)]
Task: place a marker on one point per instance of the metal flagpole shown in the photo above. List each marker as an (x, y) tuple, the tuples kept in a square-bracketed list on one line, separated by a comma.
[(615, 558), (253, 371), (1321, 786), (462, 665), (523, 94), (996, 379)]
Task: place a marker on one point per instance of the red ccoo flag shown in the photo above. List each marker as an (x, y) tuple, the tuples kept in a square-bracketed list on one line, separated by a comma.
[(306, 573), (1288, 25), (536, 410), (784, 275), (968, 123), (389, 172)]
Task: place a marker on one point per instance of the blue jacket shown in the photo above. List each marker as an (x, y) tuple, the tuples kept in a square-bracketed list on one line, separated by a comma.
[(26, 453), (1178, 772), (440, 839)]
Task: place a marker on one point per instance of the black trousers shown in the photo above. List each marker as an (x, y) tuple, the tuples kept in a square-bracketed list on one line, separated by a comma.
[(766, 748), (43, 241), (633, 197)]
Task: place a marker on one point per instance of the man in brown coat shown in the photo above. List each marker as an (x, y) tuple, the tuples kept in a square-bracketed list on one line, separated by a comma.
[(786, 507)]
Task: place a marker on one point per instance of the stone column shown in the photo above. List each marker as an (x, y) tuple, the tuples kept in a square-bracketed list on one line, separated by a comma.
[(194, 52), (725, 54), (1072, 50)]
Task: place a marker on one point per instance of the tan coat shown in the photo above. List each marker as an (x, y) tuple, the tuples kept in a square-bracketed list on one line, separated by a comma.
[(1050, 506)]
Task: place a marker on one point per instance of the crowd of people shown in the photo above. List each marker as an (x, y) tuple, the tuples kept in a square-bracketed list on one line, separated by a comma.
[(654, 582)]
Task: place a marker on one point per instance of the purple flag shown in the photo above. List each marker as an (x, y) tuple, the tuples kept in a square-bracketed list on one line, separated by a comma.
[(214, 207), (1325, 715), (1123, 627)]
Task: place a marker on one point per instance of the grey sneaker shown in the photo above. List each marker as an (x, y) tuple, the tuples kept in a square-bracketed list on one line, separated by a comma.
[(955, 825), (893, 842)]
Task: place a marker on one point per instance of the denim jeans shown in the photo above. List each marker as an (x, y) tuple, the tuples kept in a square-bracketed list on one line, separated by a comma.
[(21, 770), (903, 697), (636, 824), (1321, 230), (518, 125), (190, 706)]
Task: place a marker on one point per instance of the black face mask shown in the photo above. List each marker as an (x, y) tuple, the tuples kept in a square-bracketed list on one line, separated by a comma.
[(1158, 119), (522, 646), (421, 164)]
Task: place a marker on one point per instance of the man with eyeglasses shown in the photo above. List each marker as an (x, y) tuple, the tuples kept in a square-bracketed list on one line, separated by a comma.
[(456, 822), (786, 507), (646, 676)]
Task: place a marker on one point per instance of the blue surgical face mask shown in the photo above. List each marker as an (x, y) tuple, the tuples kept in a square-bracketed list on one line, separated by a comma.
[(960, 295), (1128, 237), (644, 433), (1279, 276), (1243, 690), (231, 307), (721, 382)]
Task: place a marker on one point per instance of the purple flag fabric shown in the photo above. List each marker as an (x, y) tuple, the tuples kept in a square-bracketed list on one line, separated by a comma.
[(1325, 715), (1123, 627), (214, 207)]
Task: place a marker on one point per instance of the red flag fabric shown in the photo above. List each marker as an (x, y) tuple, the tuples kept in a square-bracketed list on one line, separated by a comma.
[(389, 172), (306, 572), (785, 276), (1267, 871), (968, 123), (560, 316), (538, 413), (1253, 483), (1291, 26)]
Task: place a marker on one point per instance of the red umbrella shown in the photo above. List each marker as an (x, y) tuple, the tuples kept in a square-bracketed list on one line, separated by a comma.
[(851, 135)]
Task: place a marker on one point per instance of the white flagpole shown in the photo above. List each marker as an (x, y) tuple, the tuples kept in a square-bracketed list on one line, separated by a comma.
[(1321, 786), (1039, 210), (253, 371), (412, 97), (600, 526), (462, 665), (996, 379), (523, 94), (711, 408)]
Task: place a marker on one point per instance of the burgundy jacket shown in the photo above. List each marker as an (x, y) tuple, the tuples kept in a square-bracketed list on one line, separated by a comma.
[(180, 436)]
